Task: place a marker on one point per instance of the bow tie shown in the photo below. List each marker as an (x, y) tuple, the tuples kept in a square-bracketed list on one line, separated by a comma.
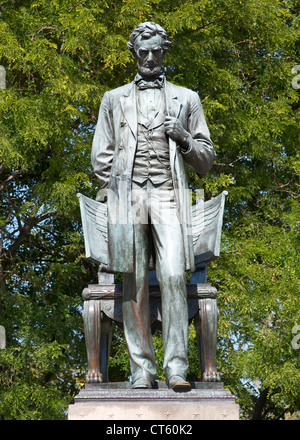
[(144, 84)]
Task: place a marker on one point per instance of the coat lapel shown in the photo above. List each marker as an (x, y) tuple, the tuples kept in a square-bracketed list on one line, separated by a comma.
[(128, 105), (172, 101), (173, 108)]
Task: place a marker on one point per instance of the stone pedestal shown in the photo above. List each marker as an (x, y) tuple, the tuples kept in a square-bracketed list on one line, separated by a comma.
[(117, 401)]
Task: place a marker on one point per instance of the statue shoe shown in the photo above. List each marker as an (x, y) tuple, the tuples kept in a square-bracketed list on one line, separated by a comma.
[(142, 383), (177, 383)]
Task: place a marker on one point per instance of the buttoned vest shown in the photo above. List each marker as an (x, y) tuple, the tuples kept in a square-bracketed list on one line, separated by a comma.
[(152, 154)]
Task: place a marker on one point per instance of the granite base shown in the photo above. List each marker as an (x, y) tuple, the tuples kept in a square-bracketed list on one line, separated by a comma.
[(117, 401)]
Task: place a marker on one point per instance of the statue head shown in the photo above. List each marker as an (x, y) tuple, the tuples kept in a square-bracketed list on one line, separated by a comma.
[(149, 43)]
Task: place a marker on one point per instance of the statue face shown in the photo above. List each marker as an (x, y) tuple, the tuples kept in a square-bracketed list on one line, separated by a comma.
[(149, 55)]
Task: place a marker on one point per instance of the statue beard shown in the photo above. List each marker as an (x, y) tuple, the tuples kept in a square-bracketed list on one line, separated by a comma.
[(149, 71)]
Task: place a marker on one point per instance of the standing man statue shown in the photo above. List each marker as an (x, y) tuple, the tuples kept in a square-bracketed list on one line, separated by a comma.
[(146, 133)]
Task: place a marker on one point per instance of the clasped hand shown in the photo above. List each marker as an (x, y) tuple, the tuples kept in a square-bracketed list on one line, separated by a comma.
[(174, 129)]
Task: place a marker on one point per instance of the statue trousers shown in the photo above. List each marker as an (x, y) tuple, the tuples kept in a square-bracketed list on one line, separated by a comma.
[(156, 221)]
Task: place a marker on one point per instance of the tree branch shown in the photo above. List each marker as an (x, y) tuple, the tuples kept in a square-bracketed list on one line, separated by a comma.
[(42, 29), (9, 179), (220, 164), (24, 232)]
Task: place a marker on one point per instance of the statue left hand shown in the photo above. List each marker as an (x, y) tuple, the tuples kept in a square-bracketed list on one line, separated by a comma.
[(175, 130)]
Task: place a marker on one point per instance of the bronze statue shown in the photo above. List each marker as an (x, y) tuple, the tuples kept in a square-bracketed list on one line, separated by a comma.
[(146, 132)]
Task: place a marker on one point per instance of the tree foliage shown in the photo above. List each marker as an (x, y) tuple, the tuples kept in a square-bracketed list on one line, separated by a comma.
[(60, 57)]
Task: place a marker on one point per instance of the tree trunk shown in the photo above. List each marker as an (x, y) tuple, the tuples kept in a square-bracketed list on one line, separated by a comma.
[(260, 405)]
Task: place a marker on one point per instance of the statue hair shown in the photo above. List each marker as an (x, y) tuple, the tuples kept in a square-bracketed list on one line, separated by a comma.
[(148, 30)]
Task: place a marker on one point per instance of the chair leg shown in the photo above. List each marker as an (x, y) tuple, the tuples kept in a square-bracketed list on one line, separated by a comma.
[(105, 345), (206, 325), (92, 330)]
